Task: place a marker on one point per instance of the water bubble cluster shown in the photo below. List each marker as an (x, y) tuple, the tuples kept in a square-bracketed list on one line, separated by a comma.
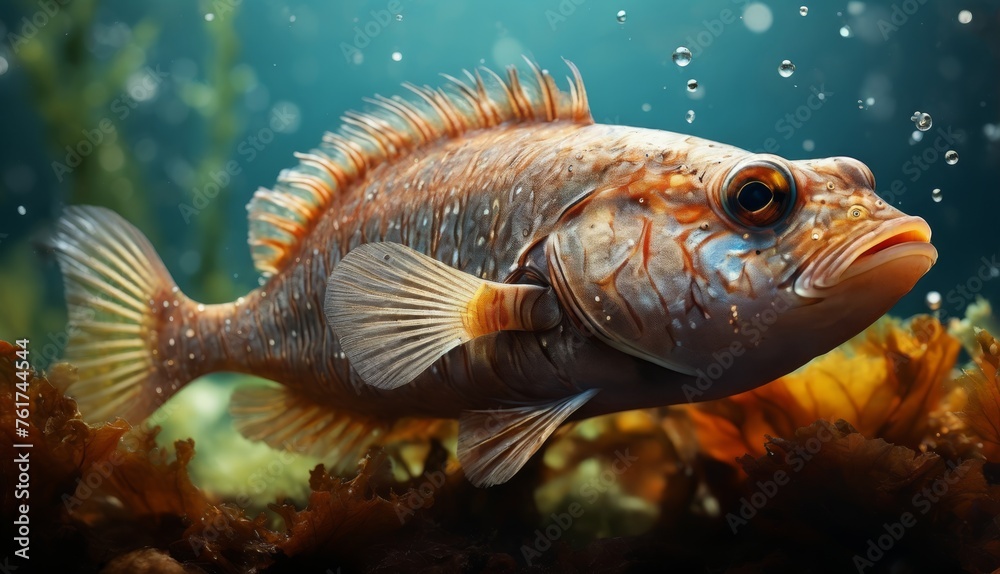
[(922, 120), (692, 85), (621, 16), (786, 69), (951, 157), (682, 56), (936, 195)]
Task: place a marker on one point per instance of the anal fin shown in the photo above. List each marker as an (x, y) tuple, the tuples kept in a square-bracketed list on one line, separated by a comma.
[(288, 420), (494, 444)]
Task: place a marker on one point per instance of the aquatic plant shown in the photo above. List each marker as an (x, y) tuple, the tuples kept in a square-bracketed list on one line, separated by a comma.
[(910, 478)]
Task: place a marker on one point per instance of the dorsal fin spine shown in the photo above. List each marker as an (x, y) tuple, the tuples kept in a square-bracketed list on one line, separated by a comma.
[(323, 163), (281, 218), (410, 116)]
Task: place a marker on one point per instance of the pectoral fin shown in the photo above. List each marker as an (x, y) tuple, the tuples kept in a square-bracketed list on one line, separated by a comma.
[(494, 445), (397, 311)]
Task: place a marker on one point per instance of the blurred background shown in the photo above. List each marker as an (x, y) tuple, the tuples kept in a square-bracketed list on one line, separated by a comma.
[(173, 113)]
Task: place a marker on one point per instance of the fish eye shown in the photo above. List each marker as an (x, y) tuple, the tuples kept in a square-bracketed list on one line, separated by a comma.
[(758, 195)]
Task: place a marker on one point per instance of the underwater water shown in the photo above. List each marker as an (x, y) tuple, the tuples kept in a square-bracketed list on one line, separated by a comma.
[(174, 113)]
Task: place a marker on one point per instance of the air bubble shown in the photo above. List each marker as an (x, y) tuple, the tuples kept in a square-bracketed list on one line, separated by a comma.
[(399, 17), (922, 120), (936, 195), (815, 236), (933, 300), (951, 157), (621, 16), (803, 10), (692, 85), (689, 116), (21, 210), (845, 31), (964, 17), (397, 56), (682, 56), (786, 69)]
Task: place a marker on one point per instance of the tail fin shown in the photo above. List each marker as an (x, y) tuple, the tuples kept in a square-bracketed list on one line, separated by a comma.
[(115, 284)]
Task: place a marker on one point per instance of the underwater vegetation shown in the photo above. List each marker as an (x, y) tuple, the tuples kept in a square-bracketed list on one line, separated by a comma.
[(882, 456), (874, 457)]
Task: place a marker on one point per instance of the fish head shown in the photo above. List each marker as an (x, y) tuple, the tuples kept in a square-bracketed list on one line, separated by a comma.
[(734, 267)]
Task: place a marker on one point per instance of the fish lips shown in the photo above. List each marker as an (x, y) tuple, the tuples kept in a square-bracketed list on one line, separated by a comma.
[(902, 243)]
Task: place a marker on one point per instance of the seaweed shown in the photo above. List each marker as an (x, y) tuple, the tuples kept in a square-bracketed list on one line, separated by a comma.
[(909, 481)]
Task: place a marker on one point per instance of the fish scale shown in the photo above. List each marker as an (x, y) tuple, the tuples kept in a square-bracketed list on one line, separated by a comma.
[(487, 253)]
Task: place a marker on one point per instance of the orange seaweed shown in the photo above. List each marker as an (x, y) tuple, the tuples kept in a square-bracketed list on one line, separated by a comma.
[(888, 382)]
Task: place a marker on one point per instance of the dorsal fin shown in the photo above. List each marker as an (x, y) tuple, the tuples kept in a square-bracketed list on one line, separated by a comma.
[(281, 217)]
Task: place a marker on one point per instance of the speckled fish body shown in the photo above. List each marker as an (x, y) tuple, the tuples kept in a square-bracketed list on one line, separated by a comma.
[(522, 257)]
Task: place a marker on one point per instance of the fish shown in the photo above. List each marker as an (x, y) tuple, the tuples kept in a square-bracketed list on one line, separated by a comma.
[(486, 252)]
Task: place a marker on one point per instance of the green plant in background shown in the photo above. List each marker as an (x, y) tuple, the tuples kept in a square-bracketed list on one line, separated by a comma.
[(85, 101), (77, 97), (217, 103)]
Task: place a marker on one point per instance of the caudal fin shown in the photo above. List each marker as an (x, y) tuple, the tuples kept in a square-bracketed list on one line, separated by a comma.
[(114, 284)]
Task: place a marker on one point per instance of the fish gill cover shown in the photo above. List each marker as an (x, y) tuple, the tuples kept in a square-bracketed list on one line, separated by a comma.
[(883, 455)]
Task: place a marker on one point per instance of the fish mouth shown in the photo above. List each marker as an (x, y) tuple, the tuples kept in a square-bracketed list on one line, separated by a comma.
[(892, 241)]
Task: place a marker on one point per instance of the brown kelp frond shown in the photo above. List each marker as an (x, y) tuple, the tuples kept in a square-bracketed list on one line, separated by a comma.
[(108, 490), (982, 413), (916, 494), (889, 382), (834, 495)]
